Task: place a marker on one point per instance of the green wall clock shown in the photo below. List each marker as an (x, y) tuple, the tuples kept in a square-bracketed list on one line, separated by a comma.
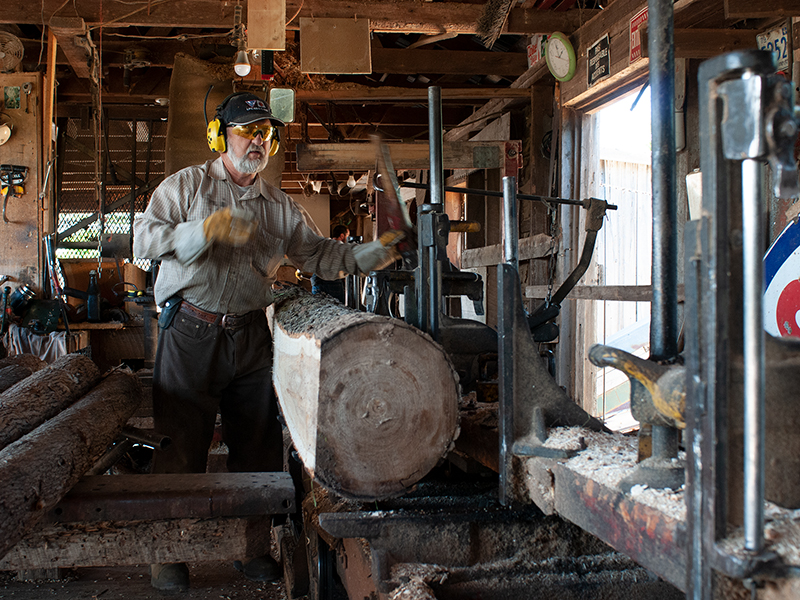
[(560, 56)]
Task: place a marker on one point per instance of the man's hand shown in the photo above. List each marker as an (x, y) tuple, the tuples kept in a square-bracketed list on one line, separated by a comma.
[(232, 226), (378, 254)]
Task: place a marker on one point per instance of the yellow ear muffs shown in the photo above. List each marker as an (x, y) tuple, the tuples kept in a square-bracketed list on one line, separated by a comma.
[(216, 136), (275, 143)]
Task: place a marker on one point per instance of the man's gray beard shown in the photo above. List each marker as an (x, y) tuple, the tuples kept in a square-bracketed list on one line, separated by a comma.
[(249, 165)]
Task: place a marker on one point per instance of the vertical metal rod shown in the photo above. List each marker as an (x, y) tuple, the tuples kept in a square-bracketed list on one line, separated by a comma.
[(665, 441), (510, 225), (753, 328), (132, 208), (507, 291), (508, 284), (435, 140), (664, 307), (664, 313)]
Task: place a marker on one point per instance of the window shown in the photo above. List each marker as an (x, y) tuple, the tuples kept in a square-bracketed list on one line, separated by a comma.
[(623, 253), (77, 204)]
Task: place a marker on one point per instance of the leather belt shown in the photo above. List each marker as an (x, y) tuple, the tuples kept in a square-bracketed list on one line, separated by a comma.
[(226, 321)]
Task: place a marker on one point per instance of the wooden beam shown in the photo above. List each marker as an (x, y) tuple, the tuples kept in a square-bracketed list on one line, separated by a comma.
[(387, 94), (448, 62), (175, 496), (523, 21), (763, 9), (536, 246), (352, 156), (495, 107), (49, 103), (407, 16), (266, 25), (120, 543), (614, 21), (707, 43), (67, 30), (618, 293)]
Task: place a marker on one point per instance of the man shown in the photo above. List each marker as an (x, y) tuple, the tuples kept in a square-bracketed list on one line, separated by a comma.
[(221, 232), (334, 288)]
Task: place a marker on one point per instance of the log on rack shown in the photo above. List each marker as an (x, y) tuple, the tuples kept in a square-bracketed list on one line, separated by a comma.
[(32, 401), (371, 402), (37, 470), (34, 363), (14, 369)]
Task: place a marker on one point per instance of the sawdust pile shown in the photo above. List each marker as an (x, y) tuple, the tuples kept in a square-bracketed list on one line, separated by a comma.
[(781, 532), (608, 459)]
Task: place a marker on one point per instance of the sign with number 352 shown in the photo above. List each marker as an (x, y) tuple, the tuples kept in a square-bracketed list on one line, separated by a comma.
[(776, 41)]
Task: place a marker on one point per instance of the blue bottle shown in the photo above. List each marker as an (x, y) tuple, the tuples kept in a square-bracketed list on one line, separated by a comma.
[(93, 298)]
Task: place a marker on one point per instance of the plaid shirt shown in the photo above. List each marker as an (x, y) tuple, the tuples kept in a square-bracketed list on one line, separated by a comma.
[(222, 278)]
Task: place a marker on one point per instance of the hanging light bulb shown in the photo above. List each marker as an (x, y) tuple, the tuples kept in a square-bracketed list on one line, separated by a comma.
[(242, 64), (351, 181)]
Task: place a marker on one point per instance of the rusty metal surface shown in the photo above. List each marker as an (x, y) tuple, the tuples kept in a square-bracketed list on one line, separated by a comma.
[(196, 495), (648, 536)]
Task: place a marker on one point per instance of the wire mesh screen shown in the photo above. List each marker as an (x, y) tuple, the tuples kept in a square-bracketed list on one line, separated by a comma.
[(118, 183)]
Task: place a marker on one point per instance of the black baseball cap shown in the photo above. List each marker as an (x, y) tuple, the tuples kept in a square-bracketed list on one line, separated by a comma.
[(245, 108)]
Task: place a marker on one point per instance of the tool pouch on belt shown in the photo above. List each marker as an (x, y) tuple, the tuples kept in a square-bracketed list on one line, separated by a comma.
[(168, 312)]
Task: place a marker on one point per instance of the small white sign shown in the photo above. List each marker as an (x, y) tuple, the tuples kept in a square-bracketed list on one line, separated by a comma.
[(637, 22), (777, 42), (536, 48)]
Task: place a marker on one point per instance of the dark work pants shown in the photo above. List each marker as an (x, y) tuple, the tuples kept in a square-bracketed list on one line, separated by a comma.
[(201, 368)]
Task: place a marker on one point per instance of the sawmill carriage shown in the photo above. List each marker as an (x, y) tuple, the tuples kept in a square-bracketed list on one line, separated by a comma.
[(562, 387)]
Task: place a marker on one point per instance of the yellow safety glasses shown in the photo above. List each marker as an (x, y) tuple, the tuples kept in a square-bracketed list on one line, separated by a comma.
[(251, 131)]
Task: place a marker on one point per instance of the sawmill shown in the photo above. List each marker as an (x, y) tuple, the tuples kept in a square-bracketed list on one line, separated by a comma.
[(400, 300)]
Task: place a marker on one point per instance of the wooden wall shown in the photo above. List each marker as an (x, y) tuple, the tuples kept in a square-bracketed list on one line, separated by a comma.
[(20, 238)]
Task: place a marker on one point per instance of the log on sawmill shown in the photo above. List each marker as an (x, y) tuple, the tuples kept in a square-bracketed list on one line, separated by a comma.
[(371, 402), (32, 401), (14, 369), (38, 469)]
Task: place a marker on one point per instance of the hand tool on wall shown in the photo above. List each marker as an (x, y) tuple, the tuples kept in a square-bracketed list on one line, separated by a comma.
[(12, 179)]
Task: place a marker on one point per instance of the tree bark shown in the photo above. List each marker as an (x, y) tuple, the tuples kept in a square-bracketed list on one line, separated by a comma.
[(34, 363), (14, 369), (371, 402), (12, 375), (37, 470), (41, 396)]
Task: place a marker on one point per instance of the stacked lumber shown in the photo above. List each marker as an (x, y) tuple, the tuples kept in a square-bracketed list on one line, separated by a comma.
[(54, 425), (371, 402)]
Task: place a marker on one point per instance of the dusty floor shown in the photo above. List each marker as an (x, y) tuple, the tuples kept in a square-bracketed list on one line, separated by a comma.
[(209, 581)]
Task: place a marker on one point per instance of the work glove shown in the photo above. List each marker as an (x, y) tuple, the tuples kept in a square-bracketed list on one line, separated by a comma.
[(230, 225), (378, 254)]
